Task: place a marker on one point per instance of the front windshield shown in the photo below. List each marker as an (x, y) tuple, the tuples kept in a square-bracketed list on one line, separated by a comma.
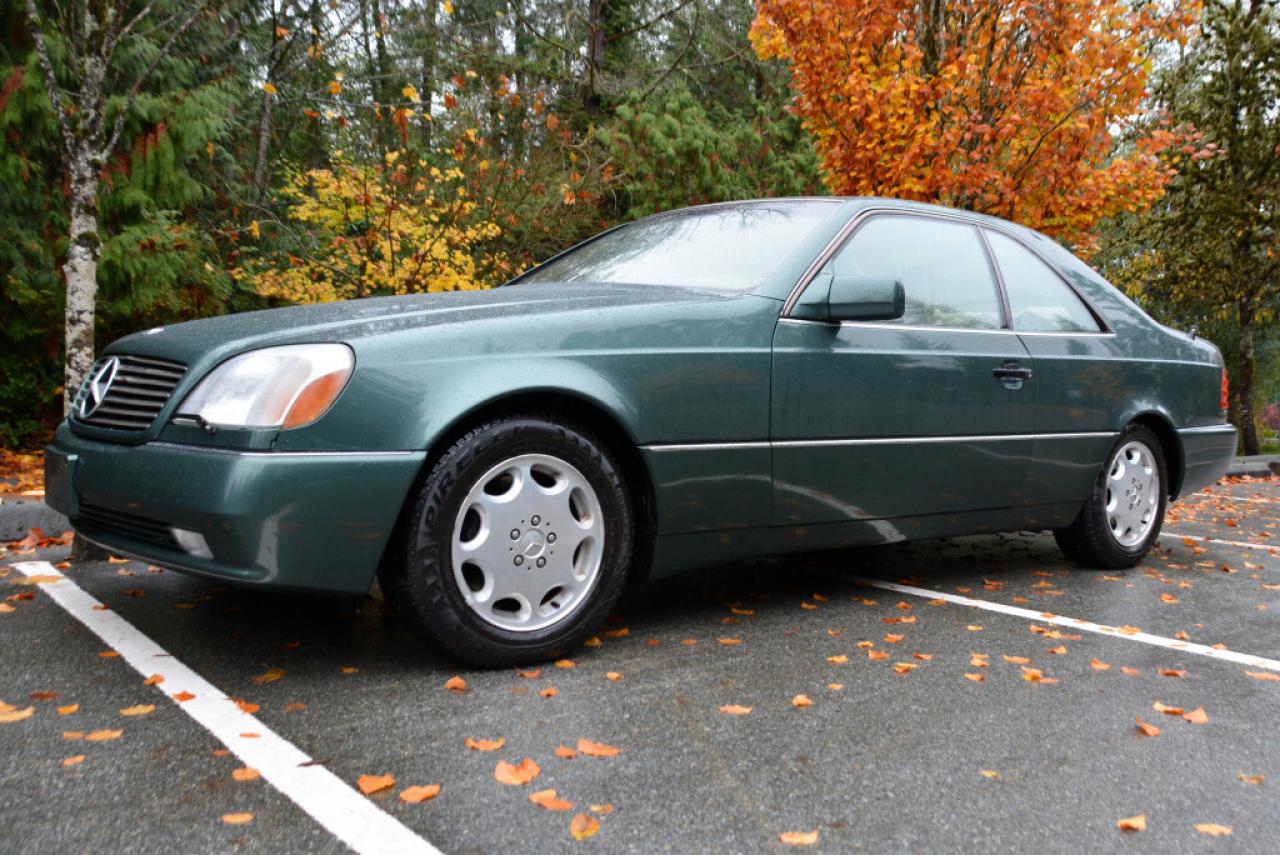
[(729, 248)]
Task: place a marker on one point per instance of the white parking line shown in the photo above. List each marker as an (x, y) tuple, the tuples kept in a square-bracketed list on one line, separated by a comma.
[(1265, 547), (329, 800), (1074, 623)]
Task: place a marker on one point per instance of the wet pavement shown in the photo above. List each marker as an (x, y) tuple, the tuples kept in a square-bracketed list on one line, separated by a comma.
[(931, 726)]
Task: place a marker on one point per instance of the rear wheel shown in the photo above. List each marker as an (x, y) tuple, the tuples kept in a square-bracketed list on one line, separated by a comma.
[(518, 543), (1122, 518)]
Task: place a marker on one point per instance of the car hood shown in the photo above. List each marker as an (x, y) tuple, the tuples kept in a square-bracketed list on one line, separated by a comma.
[(355, 319)]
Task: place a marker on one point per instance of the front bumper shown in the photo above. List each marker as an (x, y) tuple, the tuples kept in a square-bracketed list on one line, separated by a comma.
[(305, 520), (1206, 453)]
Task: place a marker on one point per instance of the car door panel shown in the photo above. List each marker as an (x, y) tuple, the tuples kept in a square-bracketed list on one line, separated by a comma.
[(872, 422)]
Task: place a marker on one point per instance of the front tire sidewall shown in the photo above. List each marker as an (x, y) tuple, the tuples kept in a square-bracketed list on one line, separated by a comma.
[(437, 606)]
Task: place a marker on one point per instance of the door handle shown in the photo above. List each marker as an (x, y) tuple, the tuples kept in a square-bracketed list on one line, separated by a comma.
[(1008, 372)]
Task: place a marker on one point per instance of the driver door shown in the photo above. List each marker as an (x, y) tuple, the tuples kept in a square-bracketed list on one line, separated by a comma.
[(924, 414)]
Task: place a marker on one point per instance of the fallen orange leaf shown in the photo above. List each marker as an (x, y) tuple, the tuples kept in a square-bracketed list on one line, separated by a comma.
[(904, 667), (237, 818), (801, 701), (72, 761), (183, 696), (1212, 829), (1172, 672), (104, 735), (246, 706), (877, 655), (977, 678), (547, 799), (893, 639), (153, 680), (798, 838), (1250, 779), (1018, 660), (735, 709), (140, 709), (1132, 672), (612, 676), (601, 809), (565, 752), (518, 775), (485, 744), (269, 676), (370, 784), (838, 660), (1147, 729), (990, 774), (597, 749), (245, 773), (583, 826), (455, 684), (1267, 676), (69, 709), (549, 692), (1133, 823), (1161, 708), (1197, 716), (530, 674), (418, 795), (1099, 665), (565, 663), (42, 696), (729, 641)]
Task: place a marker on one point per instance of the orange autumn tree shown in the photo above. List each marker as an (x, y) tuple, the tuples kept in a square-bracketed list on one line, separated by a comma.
[(1002, 106)]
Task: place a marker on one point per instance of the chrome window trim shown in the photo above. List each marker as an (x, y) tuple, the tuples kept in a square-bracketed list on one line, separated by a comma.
[(861, 216), (887, 440), (913, 328)]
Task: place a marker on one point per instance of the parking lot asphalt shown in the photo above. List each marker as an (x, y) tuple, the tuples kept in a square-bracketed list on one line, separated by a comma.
[(930, 724)]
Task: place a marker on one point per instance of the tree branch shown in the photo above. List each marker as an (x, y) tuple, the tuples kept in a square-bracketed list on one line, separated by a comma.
[(50, 79)]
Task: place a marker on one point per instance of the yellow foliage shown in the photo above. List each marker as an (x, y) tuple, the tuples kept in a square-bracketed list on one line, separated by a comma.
[(390, 228)]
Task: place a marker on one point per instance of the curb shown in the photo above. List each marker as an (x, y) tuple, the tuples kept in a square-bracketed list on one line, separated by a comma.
[(1258, 466)]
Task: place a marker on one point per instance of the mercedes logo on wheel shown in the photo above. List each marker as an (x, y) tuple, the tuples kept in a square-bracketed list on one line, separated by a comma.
[(99, 382)]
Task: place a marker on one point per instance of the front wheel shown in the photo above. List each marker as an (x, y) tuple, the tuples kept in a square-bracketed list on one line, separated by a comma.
[(1122, 518), (518, 544)]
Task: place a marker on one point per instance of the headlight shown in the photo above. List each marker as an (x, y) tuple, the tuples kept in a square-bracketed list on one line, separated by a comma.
[(288, 386)]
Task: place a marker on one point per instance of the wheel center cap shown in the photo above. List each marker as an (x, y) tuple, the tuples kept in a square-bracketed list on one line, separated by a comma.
[(533, 543)]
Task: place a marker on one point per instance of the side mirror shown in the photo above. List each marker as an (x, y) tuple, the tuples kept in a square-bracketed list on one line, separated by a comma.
[(860, 298)]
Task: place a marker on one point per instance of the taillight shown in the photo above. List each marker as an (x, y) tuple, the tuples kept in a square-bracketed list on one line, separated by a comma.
[(1225, 389)]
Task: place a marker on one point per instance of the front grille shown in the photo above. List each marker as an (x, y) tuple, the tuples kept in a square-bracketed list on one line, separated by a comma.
[(141, 388), (126, 525)]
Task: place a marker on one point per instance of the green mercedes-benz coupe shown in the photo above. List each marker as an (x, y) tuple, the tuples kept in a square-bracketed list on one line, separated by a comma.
[(695, 387)]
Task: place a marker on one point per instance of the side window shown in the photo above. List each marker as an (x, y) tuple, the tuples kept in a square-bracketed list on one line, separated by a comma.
[(1038, 298), (941, 264)]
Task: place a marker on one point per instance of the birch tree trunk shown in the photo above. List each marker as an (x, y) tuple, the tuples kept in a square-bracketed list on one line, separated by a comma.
[(81, 273)]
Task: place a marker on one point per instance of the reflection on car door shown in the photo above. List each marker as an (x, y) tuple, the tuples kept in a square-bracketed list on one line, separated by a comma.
[(888, 419)]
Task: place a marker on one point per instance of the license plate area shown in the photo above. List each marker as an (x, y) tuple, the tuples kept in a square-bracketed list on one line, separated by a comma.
[(57, 480)]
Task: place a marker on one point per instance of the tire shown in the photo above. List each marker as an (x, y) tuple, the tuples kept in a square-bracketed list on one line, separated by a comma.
[(515, 506), (1119, 536)]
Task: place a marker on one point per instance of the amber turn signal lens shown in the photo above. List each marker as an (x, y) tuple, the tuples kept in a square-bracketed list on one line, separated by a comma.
[(315, 399), (1225, 400)]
